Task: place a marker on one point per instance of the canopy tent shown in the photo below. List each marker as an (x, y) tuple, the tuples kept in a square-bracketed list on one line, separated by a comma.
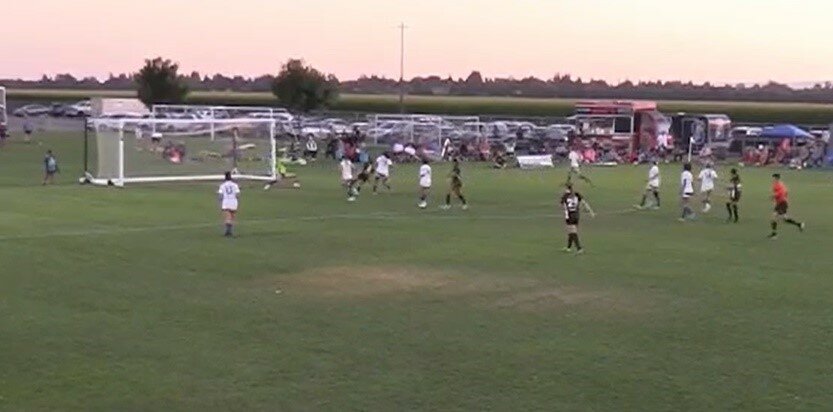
[(781, 131)]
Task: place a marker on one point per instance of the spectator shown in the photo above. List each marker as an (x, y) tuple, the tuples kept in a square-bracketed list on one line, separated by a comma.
[(50, 165), (311, 148), (28, 128)]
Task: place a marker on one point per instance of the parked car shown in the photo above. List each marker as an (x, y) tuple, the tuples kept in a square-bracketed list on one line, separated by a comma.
[(338, 126), (32, 110), (57, 109), (317, 131), (83, 108)]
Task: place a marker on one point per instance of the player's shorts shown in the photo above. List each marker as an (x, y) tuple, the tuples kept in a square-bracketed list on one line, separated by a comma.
[(781, 208), (229, 206), (424, 187), (687, 195), (734, 195), (364, 176), (706, 189), (571, 219), (652, 187), (381, 176)]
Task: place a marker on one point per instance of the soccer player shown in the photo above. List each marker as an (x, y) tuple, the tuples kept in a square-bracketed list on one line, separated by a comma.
[(424, 183), (575, 160), (734, 195), (347, 178), (652, 188), (571, 202), (455, 186), (283, 174), (50, 167), (383, 164), (686, 192), (228, 193), (779, 195), (707, 177), (364, 175)]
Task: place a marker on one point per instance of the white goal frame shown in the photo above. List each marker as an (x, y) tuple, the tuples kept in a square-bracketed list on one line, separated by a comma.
[(4, 115), (120, 180)]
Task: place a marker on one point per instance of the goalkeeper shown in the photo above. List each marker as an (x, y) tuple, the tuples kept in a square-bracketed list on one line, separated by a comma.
[(282, 173)]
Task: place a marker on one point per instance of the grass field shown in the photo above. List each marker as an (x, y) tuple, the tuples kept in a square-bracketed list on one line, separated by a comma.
[(801, 113), (129, 299)]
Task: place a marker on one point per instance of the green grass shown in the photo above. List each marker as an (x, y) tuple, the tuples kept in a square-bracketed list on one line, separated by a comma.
[(129, 299), (765, 112)]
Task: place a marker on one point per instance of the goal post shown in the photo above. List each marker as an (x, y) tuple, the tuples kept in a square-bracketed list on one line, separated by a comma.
[(127, 151), (4, 119)]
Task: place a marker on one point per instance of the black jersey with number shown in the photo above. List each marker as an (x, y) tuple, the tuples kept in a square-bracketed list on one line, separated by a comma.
[(734, 189), (570, 202)]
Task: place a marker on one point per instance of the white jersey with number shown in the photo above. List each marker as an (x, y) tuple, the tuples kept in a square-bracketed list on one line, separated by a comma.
[(383, 165), (687, 183), (653, 177), (425, 176), (346, 169), (228, 195), (575, 158), (707, 177)]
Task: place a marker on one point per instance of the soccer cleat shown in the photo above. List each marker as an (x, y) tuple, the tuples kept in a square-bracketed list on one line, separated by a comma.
[(773, 236), (579, 251), (682, 219), (801, 227), (465, 207), (422, 205), (638, 207), (445, 207), (567, 250), (351, 199)]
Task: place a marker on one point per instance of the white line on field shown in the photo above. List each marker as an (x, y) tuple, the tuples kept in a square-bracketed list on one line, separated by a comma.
[(248, 222)]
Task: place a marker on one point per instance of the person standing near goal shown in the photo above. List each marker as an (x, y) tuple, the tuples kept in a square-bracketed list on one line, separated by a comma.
[(229, 193), (424, 183)]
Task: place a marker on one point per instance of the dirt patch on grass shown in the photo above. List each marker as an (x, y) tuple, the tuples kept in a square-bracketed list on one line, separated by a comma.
[(502, 293)]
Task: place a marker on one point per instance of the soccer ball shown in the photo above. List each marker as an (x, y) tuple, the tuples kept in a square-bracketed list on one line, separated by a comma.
[(296, 185), (422, 205), (302, 162)]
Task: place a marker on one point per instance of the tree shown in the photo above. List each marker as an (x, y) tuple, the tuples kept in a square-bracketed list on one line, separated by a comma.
[(301, 87), (159, 82)]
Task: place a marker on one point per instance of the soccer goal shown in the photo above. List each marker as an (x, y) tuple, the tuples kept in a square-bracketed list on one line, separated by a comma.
[(126, 151)]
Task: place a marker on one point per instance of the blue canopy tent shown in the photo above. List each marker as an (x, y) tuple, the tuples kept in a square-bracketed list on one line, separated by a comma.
[(781, 131)]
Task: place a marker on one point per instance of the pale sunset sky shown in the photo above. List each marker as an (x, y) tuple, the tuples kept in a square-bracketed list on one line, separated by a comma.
[(705, 40)]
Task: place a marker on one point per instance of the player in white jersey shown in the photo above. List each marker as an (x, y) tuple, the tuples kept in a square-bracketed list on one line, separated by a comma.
[(652, 188), (707, 177), (347, 179), (575, 160), (424, 183), (228, 195), (383, 164), (686, 192)]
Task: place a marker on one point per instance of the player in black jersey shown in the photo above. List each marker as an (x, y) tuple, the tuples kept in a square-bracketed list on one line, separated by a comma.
[(455, 186), (734, 196), (364, 175), (571, 202)]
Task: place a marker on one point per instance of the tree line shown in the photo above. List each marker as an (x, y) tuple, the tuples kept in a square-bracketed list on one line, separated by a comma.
[(305, 88)]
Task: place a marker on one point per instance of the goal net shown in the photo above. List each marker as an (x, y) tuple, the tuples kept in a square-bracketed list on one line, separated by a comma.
[(123, 151)]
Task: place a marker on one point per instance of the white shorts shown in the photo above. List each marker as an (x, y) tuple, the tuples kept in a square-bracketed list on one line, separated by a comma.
[(229, 206), (652, 187), (381, 175), (425, 187), (706, 189), (687, 195)]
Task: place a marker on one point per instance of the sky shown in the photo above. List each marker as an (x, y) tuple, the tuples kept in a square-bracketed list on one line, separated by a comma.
[(722, 41)]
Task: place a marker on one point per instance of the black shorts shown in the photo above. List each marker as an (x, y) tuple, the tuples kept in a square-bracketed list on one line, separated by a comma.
[(781, 208), (734, 195), (363, 177)]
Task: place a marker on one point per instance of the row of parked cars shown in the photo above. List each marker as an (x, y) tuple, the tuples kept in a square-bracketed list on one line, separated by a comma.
[(82, 108)]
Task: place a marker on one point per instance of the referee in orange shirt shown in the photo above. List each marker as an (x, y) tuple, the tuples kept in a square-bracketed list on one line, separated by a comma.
[(779, 195)]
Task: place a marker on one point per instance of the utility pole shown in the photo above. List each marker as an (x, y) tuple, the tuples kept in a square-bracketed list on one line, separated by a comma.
[(402, 28)]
